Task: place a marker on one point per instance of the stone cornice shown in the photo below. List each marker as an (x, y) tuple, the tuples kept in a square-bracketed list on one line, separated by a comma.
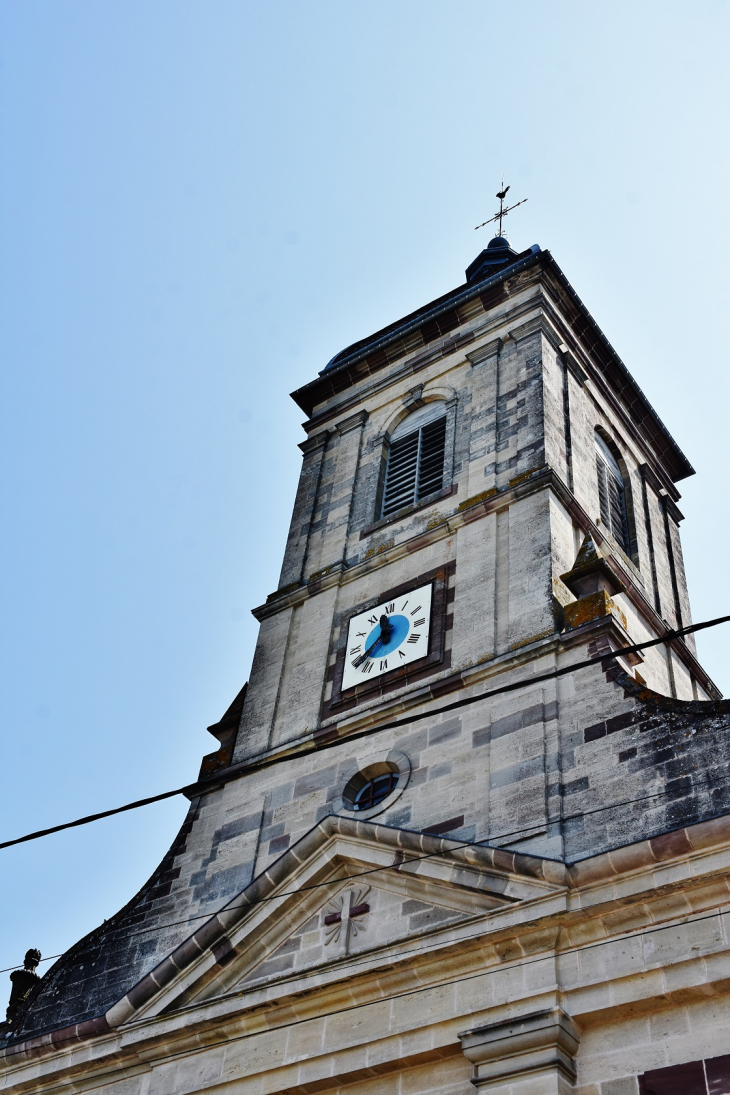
[(308, 393), (376, 716), (548, 321), (674, 511), (496, 323), (354, 422), (583, 336), (341, 573), (314, 442), (542, 478)]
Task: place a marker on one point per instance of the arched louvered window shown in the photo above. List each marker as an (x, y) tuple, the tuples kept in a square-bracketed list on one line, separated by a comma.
[(415, 466), (611, 494)]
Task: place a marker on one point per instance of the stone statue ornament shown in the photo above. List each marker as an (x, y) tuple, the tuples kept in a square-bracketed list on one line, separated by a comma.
[(23, 982)]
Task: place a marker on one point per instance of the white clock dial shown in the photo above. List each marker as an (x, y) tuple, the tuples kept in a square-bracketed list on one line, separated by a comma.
[(388, 636)]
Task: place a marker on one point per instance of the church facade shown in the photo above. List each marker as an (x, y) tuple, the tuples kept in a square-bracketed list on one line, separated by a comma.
[(468, 825)]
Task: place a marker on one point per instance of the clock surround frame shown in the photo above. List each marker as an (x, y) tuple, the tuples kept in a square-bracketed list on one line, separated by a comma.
[(437, 658)]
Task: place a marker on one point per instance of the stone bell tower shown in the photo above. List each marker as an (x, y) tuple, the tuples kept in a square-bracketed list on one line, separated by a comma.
[(452, 813), (546, 439)]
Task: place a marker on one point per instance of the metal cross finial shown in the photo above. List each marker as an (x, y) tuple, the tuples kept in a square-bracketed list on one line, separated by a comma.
[(501, 194)]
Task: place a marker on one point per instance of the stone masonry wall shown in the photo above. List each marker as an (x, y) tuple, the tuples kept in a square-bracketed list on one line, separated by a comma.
[(565, 769), (667, 760)]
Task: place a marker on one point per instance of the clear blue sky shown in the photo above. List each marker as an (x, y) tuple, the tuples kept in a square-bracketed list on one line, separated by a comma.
[(201, 202)]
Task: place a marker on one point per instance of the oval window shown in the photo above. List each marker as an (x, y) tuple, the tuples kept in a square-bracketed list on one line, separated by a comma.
[(375, 790), (376, 786)]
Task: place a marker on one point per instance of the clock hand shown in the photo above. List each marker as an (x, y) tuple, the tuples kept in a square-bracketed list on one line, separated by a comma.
[(363, 657), (386, 629)]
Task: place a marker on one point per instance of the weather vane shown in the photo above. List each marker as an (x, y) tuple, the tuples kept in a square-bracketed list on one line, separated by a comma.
[(502, 194)]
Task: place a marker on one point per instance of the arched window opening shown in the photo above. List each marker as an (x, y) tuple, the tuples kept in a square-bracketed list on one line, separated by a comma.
[(415, 466), (611, 494)]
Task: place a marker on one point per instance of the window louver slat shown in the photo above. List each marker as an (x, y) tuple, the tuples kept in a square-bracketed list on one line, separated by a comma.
[(402, 495), (404, 445), (402, 458), (415, 466), (402, 468), (618, 511), (603, 492), (405, 483), (400, 479), (431, 471), (612, 501), (405, 471)]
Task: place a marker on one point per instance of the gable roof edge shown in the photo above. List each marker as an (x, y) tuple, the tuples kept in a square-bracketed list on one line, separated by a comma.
[(216, 929)]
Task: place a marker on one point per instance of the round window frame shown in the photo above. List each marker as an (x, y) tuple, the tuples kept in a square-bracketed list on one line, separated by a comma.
[(395, 762)]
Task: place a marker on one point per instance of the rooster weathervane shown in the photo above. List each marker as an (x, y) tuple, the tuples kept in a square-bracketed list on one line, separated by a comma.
[(501, 194)]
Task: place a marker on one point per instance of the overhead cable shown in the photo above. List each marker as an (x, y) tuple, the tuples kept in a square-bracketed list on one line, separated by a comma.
[(204, 785)]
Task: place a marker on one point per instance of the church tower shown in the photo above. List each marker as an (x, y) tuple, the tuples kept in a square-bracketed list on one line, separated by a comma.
[(473, 803)]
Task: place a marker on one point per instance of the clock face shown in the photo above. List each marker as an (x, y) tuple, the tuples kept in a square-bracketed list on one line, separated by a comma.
[(388, 636)]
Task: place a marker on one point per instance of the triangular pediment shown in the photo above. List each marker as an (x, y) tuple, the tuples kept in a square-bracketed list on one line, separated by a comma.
[(346, 893)]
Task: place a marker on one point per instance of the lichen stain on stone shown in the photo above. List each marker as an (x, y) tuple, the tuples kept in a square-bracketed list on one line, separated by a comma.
[(378, 549), (315, 577), (439, 519), (591, 607), (517, 479), (476, 498), (532, 639)]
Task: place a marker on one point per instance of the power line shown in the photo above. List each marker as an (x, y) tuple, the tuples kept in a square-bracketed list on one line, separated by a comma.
[(579, 949), (372, 870), (93, 817), (203, 785), (51, 958), (415, 858)]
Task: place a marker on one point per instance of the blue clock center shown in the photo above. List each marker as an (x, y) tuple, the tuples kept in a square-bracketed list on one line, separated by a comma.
[(399, 631)]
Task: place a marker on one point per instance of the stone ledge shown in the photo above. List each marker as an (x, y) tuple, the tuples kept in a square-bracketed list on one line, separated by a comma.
[(540, 1046)]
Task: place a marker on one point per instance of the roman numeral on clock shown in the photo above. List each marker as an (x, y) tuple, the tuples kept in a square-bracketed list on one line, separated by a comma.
[(367, 667), (414, 637), (419, 623), (384, 664), (390, 608), (415, 610), (372, 619), (356, 650)]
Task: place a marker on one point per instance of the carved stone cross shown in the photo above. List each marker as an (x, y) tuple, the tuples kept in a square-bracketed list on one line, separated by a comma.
[(344, 917)]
